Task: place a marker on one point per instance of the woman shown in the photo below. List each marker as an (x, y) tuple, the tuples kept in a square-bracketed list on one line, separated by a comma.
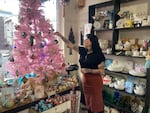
[(92, 67)]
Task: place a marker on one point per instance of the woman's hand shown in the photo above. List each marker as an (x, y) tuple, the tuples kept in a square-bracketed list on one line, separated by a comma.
[(59, 34), (67, 42), (102, 71), (86, 70)]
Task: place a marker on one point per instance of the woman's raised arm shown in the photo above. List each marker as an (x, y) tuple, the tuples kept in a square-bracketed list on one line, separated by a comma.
[(67, 42)]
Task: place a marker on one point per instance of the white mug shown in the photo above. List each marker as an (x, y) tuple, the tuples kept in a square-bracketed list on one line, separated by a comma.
[(109, 51), (144, 53), (136, 53)]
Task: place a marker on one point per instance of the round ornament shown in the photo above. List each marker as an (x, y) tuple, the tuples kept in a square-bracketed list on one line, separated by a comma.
[(31, 40), (41, 45), (11, 59), (24, 34)]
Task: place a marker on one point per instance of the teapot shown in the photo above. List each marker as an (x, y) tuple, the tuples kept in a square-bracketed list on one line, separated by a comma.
[(127, 46), (120, 84), (139, 90), (119, 45)]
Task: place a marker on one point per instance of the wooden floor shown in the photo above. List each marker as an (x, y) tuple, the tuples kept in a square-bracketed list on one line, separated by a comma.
[(83, 109)]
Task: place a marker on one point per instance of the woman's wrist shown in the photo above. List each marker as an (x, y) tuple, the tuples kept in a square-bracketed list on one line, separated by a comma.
[(90, 70)]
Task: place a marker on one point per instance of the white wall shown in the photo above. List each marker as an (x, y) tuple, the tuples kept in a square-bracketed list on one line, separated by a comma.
[(75, 18)]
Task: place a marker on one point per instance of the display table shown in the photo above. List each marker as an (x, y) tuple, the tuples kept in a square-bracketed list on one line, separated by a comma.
[(28, 103)]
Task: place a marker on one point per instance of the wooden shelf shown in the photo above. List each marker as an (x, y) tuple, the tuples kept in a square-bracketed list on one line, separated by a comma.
[(117, 107), (124, 92), (99, 30), (133, 28), (123, 74), (125, 56)]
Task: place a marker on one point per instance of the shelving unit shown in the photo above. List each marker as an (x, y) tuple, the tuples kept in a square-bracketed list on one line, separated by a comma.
[(27, 104), (99, 30), (116, 4)]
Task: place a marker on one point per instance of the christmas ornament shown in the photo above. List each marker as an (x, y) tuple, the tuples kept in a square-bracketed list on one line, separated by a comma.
[(41, 45), (17, 73), (11, 59), (71, 39), (56, 41), (81, 38), (15, 46), (43, 55), (32, 57), (28, 9), (40, 33), (31, 40), (24, 34)]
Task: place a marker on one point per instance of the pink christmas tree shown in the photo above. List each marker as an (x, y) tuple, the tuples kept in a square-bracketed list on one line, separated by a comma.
[(35, 46)]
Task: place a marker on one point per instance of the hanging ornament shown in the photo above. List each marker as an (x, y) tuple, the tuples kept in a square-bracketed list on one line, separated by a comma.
[(15, 46), (56, 41), (28, 9), (40, 33), (11, 59), (17, 73), (24, 35), (71, 39), (41, 45), (31, 40), (81, 38), (43, 55), (32, 56)]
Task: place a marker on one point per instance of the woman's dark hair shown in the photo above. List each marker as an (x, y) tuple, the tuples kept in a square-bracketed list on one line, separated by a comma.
[(95, 44)]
